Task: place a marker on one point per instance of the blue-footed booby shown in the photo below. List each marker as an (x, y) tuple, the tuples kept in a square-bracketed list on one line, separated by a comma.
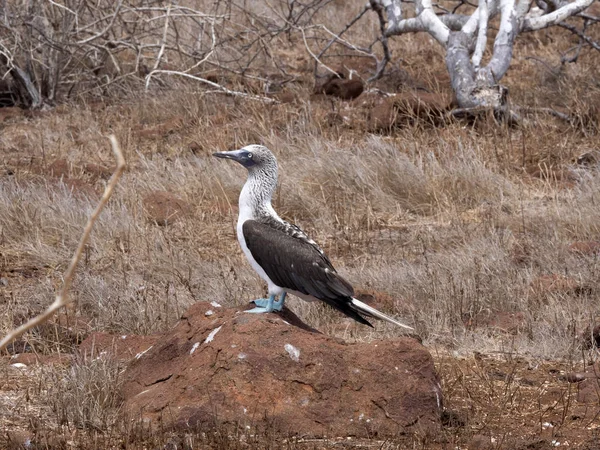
[(280, 252)]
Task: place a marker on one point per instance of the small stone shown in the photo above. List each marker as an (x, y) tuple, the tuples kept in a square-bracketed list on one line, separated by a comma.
[(340, 87), (589, 391), (575, 377)]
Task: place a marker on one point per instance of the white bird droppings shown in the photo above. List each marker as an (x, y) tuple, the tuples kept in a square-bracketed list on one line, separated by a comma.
[(194, 347), (212, 334), (140, 354), (209, 312), (19, 365), (292, 351), (215, 304), (242, 356)]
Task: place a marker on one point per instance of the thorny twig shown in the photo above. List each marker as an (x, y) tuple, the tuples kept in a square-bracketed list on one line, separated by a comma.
[(62, 298)]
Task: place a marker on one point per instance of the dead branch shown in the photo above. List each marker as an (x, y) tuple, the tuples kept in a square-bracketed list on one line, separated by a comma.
[(339, 35), (581, 34), (62, 298), (222, 89), (550, 111)]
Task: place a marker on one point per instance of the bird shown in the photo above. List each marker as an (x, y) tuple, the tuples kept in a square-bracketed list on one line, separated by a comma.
[(281, 253)]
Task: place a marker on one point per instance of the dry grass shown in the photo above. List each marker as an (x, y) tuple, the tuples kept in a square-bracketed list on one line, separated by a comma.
[(453, 222)]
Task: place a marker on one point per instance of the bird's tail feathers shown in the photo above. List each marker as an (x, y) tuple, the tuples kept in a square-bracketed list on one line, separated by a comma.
[(370, 311)]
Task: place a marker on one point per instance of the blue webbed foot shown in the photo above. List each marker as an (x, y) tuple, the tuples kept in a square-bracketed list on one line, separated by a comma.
[(267, 305), (261, 302)]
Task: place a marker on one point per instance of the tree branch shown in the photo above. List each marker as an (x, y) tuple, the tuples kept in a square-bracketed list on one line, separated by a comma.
[(532, 23), (595, 45), (505, 39), (481, 34), (222, 89), (384, 42), (393, 10)]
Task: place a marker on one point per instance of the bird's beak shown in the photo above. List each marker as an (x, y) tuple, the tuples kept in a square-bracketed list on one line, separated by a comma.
[(236, 155)]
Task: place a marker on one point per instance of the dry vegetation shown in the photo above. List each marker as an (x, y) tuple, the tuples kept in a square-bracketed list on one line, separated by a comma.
[(458, 223)]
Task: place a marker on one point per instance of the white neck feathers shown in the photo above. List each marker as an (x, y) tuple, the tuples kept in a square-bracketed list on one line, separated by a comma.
[(256, 195)]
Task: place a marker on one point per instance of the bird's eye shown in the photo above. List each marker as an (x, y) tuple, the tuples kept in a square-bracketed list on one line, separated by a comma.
[(249, 155)]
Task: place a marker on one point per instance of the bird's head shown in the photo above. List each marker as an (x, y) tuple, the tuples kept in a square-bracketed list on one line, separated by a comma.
[(251, 157)]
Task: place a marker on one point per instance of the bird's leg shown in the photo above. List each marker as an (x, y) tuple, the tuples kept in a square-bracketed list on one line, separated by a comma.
[(278, 306), (268, 304)]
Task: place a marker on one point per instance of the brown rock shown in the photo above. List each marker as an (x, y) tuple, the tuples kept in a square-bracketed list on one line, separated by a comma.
[(575, 377), (261, 370), (165, 208), (587, 248), (122, 348), (554, 283), (62, 170), (589, 391), (340, 87)]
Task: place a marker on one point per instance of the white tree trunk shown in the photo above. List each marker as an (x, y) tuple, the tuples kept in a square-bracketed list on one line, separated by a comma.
[(466, 37)]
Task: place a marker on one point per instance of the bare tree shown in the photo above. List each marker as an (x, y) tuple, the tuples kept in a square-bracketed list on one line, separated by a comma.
[(55, 48), (465, 37)]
